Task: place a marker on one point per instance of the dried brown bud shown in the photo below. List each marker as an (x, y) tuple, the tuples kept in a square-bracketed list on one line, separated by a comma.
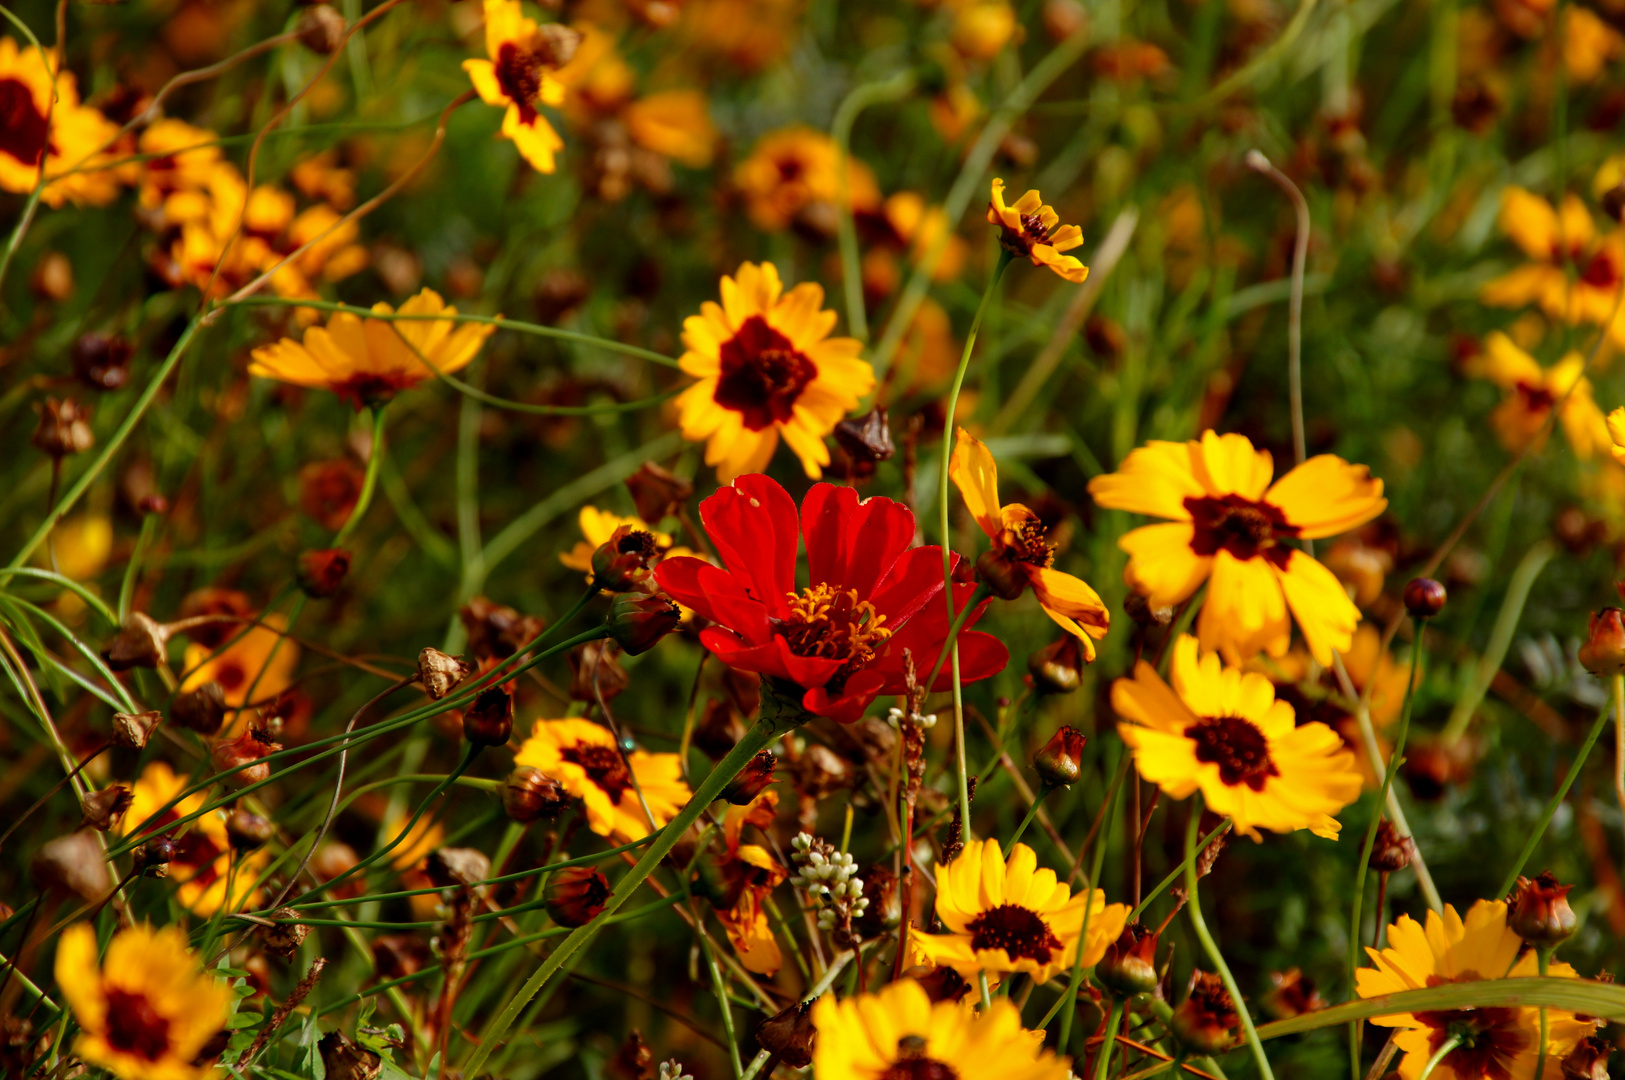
[(489, 720), (657, 493), (1060, 762), (557, 44), (1539, 911), (942, 983), (101, 810), (202, 710), (1140, 610), (1424, 597), (457, 866), (132, 730), (140, 643), (576, 895), (321, 29), (866, 439), (101, 361), (1391, 850), (622, 563), (284, 938), (1588, 1060), (1604, 650), (1129, 966), (495, 630), (1292, 993), (999, 575), (1206, 1021), (240, 760), (1057, 668), (322, 572), (885, 910), (248, 831), (439, 672), (152, 859), (329, 491), (64, 428), (789, 1035), (73, 864), (632, 1060), (343, 1059), (637, 622), (529, 795), (595, 672), (1210, 854), (752, 780)]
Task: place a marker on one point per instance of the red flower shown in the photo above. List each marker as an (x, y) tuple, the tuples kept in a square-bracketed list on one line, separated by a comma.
[(871, 598)]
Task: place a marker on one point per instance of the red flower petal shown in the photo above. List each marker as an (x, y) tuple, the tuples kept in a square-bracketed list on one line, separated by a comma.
[(753, 525), (913, 581), (860, 690), (850, 543)]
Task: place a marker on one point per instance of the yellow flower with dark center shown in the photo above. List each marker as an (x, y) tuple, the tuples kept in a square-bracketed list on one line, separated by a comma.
[(795, 170), (597, 526), (202, 866), (366, 360), (1221, 731), (180, 160), (1231, 528), (519, 75), (1021, 554), (1504, 1041), (1553, 240), (244, 663), (767, 368), (145, 1012), (68, 135), (582, 756), (1006, 916), (1533, 392), (1028, 229), (899, 1034)]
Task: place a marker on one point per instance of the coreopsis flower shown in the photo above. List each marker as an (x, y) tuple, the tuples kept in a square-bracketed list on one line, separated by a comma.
[(1028, 229), (201, 864), (1221, 730), (68, 135), (366, 360), (871, 600), (180, 159), (746, 876), (767, 368), (900, 1033), (1504, 1040), (1009, 915), (905, 222), (582, 756), (1022, 555), (1532, 392), (147, 1010), (262, 658), (1230, 528), (520, 74), (1552, 239), (795, 170), (597, 527)]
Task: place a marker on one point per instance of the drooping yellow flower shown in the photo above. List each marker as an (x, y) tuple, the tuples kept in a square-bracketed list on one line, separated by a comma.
[(365, 360), (1533, 392), (1505, 1040), (900, 1033), (1005, 916), (202, 866), (68, 135), (1553, 240), (795, 169), (1230, 528), (1221, 730), (767, 368), (519, 75), (1021, 553), (252, 660), (582, 756), (597, 526), (1028, 229), (747, 875), (145, 1012)]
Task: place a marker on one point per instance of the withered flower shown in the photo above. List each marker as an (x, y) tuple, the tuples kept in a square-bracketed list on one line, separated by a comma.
[(658, 493), (574, 896), (139, 643), (752, 780), (322, 572), (495, 630), (942, 983), (152, 859), (596, 673), (623, 562), (73, 863), (1206, 1021), (284, 937), (637, 621), (101, 361), (489, 720), (867, 441), (1539, 911), (788, 1035), (132, 730), (321, 29), (1424, 598), (1604, 650), (101, 810), (439, 673), (1292, 993), (343, 1059), (1588, 1060), (1057, 668), (240, 760), (1130, 964), (64, 428), (457, 866), (202, 710), (1392, 850), (529, 795), (1060, 762), (248, 831)]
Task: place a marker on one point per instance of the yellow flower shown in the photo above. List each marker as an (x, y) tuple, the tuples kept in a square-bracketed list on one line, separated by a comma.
[(68, 135), (1028, 229), (767, 367), (1616, 434), (203, 858), (675, 124), (919, 227), (1533, 392), (1364, 661), (1589, 44), (180, 160), (146, 1012), (748, 874), (243, 662), (597, 526), (1230, 528), (1021, 554), (900, 1033), (1505, 1039), (1552, 240), (519, 73), (982, 28), (582, 756), (1004, 916), (1220, 730), (795, 169), (365, 360)]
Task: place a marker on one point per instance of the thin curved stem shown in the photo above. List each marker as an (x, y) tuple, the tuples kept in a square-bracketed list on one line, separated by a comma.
[(892, 89), (1443, 1052), (1068, 1004), (1294, 325), (1032, 812), (375, 460)]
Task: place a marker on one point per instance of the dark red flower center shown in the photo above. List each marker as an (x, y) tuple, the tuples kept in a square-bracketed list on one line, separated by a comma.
[(1028, 542), (1491, 1038), (1600, 272), (134, 1026), (762, 374), (1246, 528), (1019, 931), (371, 389), (790, 169), (1535, 398), (519, 73), (912, 1064), (603, 766), (1034, 229), (24, 133), (1237, 747)]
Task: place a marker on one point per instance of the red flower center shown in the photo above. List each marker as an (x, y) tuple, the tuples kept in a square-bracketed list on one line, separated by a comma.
[(1017, 930), (1491, 1038), (790, 169), (519, 73), (134, 1026), (1600, 272), (762, 374), (1536, 399), (603, 766), (1246, 528), (911, 1065), (1237, 747), (24, 133), (1034, 229)]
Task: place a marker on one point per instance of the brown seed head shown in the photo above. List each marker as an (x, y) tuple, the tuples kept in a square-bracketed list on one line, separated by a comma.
[(439, 672), (132, 730), (489, 720), (867, 440), (140, 642), (1539, 911), (576, 895), (1392, 850), (248, 831), (321, 29), (1057, 668), (101, 810), (452, 866), (240, 761), (495, 630), (1206, 1021), (529, 795), (657, 493), (73, 864), (202, 710), (1604, 650), (284, 938), (1060, 762), (789, 1034), (101, 361), (63, 429), (637, 621), (152, 859)]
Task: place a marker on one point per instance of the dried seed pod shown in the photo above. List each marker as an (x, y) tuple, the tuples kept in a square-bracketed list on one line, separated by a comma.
[(152, 859), (101, 361), (284, 938), (1129, 965), (239, 760), (752, 780), (529, 795), (657, 493), (458, 866), (132, 730), (202, 710), (439, 672), (141, 642), (495, 630), (489, 720), (101, 810), (321, 29), (1540, 912), (73, 864), (1057, 668), (1391, 850), (1206, 1021), (575, 896), (63, 429), (321, 572), (1060, 762), (248, 831)]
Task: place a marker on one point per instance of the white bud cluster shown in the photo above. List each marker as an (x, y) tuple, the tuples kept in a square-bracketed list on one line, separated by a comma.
[(673, 1070), (897, 716), (830, 878)]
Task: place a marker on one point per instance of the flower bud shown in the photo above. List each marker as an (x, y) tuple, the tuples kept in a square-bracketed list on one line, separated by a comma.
[(1061, 760), (240, 761), (101, 810), (788, 1036), (451, 866), (657, 493), (439, 672), (1057, 668), (637, 621), (576, 895), (202, 710), (63, 429), (1424, 597), (1540, 912), (1604, 650), (942, 983), (1589, 1058), (1292, 993), (622, 563), (321, 29), (999, 575), (101, 361), (284, 938), (322, 572), (489, 721), (343, 1059), (529, 795), (752, 780), (867, 441), (1206, 1021), (73, 864), (1129, 965), (1139, 609), (139, 643), (248, 831), (1391, 850), (596, 673), (132, 730), (152, 859)]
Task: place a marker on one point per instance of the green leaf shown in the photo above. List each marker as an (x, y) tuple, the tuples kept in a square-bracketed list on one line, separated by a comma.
[(1577, 995)]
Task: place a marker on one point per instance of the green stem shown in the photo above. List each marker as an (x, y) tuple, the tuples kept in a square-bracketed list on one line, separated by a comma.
[(132, 572), (982, 593), (1113, 1019), (722, 1003), (1444, 1052), (1199, 924), (1032, 812), (1177, 872), (370, 483), (1069, 1002), (857, 319), (1543, 959)]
